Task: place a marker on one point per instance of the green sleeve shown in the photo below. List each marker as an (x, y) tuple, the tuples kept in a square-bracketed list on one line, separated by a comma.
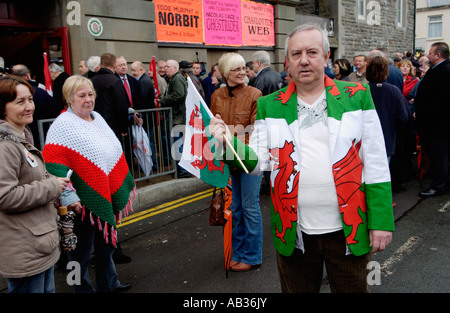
[(248, 157)]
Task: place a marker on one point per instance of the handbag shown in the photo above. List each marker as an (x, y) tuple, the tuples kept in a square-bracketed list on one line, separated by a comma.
[(216, 206)]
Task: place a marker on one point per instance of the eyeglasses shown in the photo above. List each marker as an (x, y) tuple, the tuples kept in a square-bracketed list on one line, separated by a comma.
[(238, 70)]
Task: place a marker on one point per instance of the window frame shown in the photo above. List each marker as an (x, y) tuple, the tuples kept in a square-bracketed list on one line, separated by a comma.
[(361, 7), (435, 22), (399, 17)]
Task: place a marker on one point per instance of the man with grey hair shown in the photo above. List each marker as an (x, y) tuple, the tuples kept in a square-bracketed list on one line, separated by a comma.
[(147, 88), (175, 98), (93, 64), (59, 78), (176, 93), (266, 79), (331, 193)]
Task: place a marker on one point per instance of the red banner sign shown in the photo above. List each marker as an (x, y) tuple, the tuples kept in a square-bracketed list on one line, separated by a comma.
[(215, 22), (179, 21)]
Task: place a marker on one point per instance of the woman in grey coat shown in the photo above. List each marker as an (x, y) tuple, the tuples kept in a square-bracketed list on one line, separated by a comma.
[(29, 238)]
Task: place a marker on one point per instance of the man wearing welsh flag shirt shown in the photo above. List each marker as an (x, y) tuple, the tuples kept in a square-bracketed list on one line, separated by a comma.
[(330, 183)]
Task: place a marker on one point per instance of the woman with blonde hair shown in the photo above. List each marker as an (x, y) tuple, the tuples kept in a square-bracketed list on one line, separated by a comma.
[(409, 79), (236, 105), (80, 142)]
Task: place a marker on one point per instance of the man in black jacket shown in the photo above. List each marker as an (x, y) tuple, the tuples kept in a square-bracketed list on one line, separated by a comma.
[(266, 79), (147, 88), (148, 102), (135, 89), (59, 78), (111, 101), (433, 117)]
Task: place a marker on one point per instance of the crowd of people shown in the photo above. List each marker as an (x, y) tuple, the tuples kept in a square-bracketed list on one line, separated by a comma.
[(310, 119)]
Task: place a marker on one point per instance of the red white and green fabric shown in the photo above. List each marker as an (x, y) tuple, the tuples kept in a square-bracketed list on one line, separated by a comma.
[(100, 176), (360, 167), (198, 156)]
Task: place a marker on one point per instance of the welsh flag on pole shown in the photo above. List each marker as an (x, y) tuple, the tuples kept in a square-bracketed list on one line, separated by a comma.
[(48, 78), (198, 147)]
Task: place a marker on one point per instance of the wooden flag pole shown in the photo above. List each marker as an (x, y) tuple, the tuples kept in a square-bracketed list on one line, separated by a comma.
[(235, 153)]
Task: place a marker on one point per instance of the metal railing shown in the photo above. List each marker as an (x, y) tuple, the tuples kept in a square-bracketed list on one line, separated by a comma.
[(160, 138)]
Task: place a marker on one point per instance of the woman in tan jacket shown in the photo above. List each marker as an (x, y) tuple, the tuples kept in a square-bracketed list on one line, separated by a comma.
[(29, 238), (236, 105)]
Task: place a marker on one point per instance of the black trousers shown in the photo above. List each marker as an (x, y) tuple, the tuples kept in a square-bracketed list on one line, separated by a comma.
[(437, 148)]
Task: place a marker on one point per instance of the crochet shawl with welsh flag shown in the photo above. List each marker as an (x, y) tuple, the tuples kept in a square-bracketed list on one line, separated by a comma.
[(100, 176)]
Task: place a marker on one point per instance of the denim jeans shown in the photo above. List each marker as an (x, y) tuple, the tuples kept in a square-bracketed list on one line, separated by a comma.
[(40, 283), (89, 237), (247, 233)]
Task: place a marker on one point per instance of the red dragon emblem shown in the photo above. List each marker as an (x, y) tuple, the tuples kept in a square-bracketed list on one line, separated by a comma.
[(200, 146), (347, 176), (284, 96), (284, 201), (352, 90), (333, 90)]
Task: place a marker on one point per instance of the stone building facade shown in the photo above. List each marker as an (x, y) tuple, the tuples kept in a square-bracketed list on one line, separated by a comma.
[(128, 28), (360, 26)]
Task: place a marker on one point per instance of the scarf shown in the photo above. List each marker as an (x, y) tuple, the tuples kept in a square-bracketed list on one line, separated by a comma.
[(100, 175)]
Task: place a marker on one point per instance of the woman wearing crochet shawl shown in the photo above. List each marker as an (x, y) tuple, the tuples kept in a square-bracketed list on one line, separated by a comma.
[(81, 141)]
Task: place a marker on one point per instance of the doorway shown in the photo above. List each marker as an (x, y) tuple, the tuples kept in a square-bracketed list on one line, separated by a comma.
[(26, 46)]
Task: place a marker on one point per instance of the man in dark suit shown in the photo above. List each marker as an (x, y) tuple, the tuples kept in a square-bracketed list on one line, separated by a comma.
[(433, 117), (148, 102), (111, 101), (135, 96), (59, 78), (147, 88)]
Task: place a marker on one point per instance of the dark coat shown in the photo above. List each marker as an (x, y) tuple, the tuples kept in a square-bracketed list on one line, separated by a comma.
[(433, 102), (148, 92), (112, 100), (136, 93), (209, 88), (45, 107), (175, 98), (58, 84), (395, 77), (268, 81), (392, 111)]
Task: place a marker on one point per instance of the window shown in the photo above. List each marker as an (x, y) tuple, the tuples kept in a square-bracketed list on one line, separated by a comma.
[(435, 26), (399, 17), (361, 9)]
